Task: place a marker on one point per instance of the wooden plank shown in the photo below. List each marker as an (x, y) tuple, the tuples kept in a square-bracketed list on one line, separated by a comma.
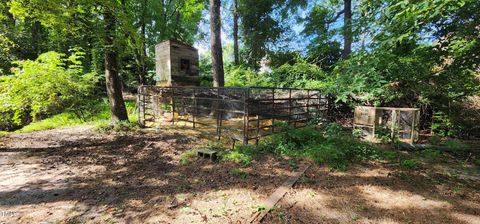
[(277, 195)]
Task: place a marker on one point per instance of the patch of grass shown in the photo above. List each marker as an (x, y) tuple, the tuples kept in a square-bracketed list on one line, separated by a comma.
[(57, 121), (389, 155), (4, 133), (242, 154), (329, 145), (477, 162), (292, 164), (259, 208), (99, 115), (187, 157), (435, 140), (305, 179), (239, 173), (430, 153), (122, 126), (238, 157), (409, 164), (454, 144)]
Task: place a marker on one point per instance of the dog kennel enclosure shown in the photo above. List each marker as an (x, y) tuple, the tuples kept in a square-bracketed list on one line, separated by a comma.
[(401, 124), (241, 114)]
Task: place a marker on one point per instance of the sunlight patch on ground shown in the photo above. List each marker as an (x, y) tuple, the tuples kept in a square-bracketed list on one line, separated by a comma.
[(389, 199), (378, 221), (211, 207), (380, 172), (316, 202), (470, 219), (361, 172), (48, 211)]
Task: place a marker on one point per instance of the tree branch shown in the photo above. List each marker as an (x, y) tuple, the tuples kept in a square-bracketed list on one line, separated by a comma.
[(336, 17)]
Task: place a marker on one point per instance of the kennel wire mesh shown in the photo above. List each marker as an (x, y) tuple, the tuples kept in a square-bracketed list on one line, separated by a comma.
[(397, 123), (243, 114)]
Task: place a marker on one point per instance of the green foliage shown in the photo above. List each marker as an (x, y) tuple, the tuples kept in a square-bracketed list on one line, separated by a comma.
[(477, 162), (384, 134), (45, 86), (431, 153), (435, 139), (298, 75), (322, 51), (258, 33), (389, 155), (239, 173), (457, 148), (329, 145), (56, 121), (292, 164), (442, 126), (242, 76), (98, 115), (187, 157), (409, 164), (242, 154)]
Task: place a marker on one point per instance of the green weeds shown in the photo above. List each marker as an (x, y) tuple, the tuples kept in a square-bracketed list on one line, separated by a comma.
[(187, 157), (239, 173), (329, 145), (98, 115), (409, 164)]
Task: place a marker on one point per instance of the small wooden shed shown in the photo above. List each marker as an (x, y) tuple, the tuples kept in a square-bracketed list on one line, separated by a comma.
[(176, 64), (401, 123)]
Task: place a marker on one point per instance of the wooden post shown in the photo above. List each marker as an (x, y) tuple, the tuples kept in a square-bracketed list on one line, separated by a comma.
[(173, 106), (289, 106), (246, 118), (140, 106), (394, 123), (273, 110), (217, 112), (258, 130), (194, 107), (308, 105)]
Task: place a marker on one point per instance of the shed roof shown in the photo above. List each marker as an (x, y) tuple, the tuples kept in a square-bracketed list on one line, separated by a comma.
[(180, 43)]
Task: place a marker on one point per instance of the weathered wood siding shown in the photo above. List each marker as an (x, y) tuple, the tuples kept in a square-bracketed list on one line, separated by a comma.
[(176, 64), (162, 63)]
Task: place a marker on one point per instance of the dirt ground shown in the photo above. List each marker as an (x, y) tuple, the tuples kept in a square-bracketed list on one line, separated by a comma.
[(442, 191), (76, 175)]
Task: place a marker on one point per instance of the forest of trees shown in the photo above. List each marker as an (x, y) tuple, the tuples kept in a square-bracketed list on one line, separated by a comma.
[(58, 55)]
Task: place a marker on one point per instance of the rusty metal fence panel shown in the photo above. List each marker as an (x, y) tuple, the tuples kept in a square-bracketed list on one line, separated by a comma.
[(243, 114)]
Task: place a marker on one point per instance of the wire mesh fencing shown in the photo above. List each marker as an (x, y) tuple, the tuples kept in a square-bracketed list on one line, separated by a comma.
[(241, 114)]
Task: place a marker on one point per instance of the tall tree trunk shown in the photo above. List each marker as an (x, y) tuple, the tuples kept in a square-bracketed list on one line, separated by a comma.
[(112, 80), (347, 29), (143, 54), (216, 42), (235, 33)]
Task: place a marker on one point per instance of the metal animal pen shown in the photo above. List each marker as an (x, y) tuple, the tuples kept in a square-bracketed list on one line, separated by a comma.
[(401, 123), (242, 114)]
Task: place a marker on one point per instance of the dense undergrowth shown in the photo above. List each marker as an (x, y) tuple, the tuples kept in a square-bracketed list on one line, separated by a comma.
[(98, 115), (330, 145)]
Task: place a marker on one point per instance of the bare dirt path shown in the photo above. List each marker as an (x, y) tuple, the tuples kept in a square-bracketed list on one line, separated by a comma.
[(378, 192), (75, 175)]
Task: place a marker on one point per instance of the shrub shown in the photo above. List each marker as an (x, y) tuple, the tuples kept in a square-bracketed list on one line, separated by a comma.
[(242, 154), (239, 173), (329, 145), (409, 163), (186, 157), (298, 75), (48, 85), (431, 153), (238, 157), (240, 76)]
